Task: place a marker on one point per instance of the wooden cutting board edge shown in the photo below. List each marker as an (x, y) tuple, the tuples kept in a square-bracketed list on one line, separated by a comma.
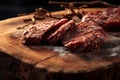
[(11, 20)]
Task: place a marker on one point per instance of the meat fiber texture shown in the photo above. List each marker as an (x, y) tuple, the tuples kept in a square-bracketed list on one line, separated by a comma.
[(109, 19), (35, 33), (84, 36), (49, 32), (53, 35)]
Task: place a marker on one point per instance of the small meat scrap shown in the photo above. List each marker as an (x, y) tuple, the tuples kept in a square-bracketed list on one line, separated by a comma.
[(109, 19), (53, 35), (35, 33), (84, 36)]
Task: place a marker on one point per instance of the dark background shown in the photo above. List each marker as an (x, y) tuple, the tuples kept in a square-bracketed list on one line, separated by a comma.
[(10, 8)]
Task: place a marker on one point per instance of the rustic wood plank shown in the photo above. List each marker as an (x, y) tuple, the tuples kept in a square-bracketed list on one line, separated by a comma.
[(68, 62), (14, 69), (10, 41), (49, 62)]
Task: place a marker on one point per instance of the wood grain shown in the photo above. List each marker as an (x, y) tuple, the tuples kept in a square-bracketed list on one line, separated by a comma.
[(56, 60)]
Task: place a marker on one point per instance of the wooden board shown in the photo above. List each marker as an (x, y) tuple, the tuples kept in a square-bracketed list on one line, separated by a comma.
[(57, 58)]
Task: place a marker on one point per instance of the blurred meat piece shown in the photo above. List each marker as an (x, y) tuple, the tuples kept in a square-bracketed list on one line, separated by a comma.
[(84, 36), (52, 35), (109, 19), (35, 33)]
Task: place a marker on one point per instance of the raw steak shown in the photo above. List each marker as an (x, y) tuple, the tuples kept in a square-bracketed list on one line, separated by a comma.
[(56, 34), (35, 33), (84, 36), (109, 19)]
